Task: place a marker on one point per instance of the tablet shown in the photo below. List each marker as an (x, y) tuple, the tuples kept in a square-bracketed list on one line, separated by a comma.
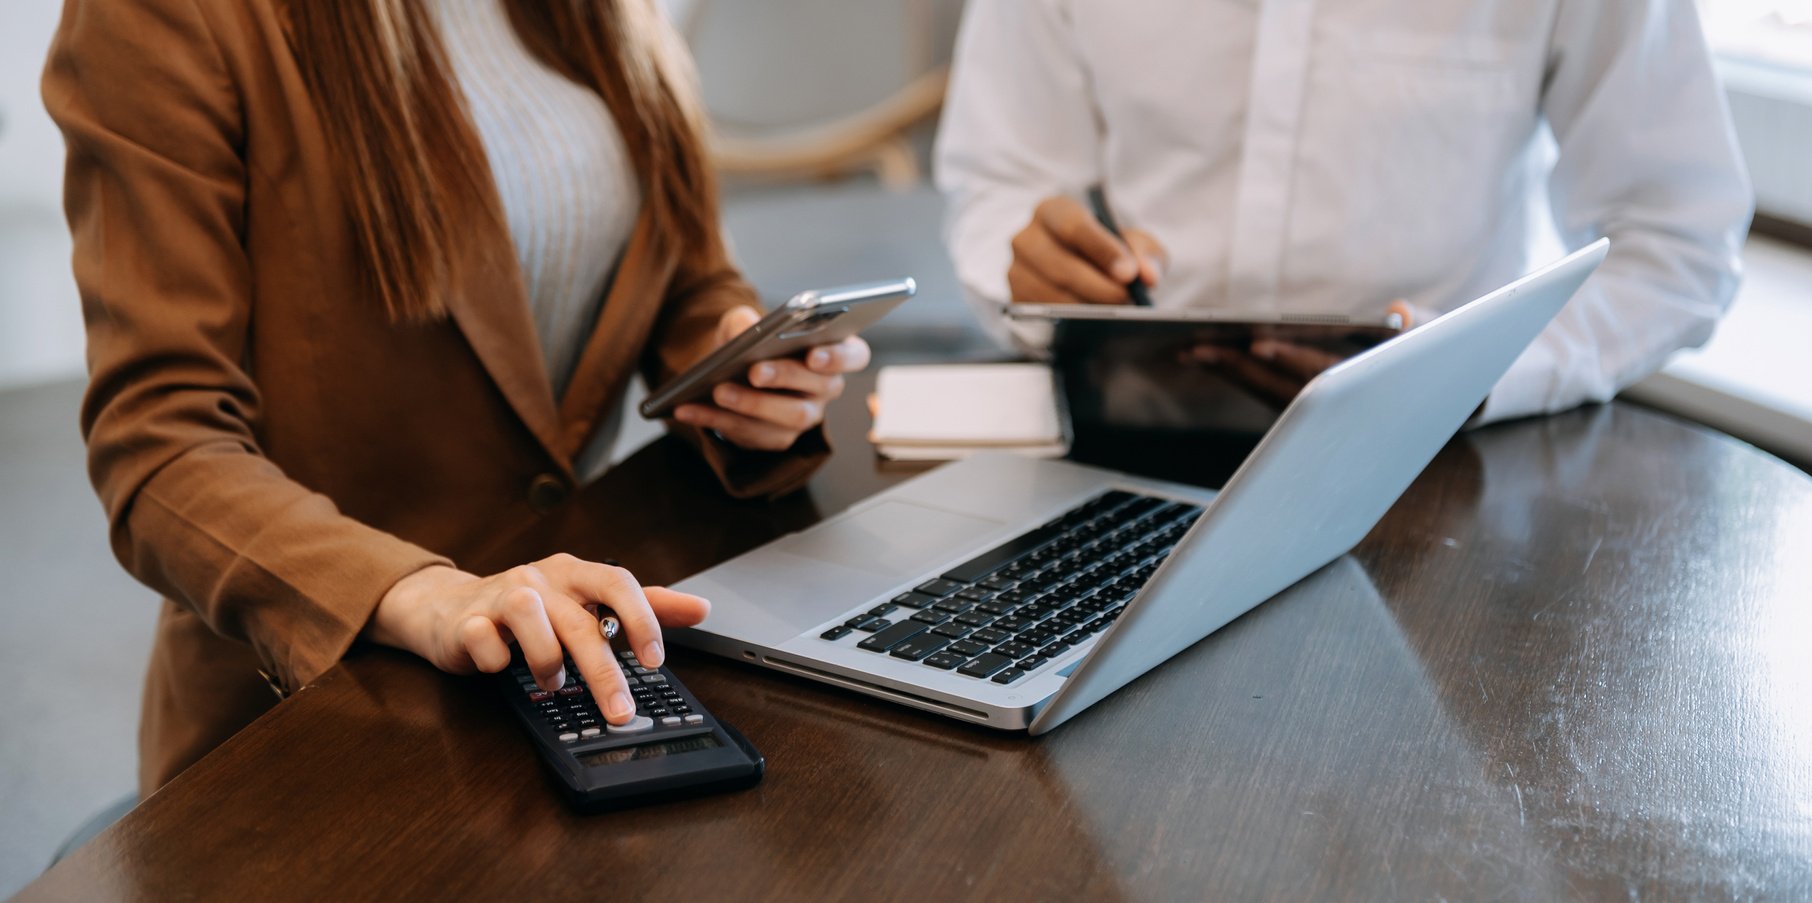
[(1128, 368), (810, 319)]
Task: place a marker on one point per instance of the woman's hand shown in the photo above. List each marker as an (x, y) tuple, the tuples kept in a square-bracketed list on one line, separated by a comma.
[(1065, 256), (462, 623), (783, 398)]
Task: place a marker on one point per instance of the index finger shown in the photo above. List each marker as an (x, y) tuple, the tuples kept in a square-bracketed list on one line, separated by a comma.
[(847, 356), (616, 589), (1080, 232)]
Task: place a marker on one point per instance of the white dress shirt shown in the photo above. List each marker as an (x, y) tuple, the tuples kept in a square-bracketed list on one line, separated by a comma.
[(1296, 156)]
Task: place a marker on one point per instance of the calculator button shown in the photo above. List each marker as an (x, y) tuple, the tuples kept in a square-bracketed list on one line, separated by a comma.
[(590, 732), (539, 695), (626, 655), (571, 690), (642, 672), (568, 737), (670, 721), (655, 679), (695, 719), (636, 725)]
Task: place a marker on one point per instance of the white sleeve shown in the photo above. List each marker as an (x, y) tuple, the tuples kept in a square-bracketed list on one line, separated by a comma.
[(1019, 126), (1648, 158)]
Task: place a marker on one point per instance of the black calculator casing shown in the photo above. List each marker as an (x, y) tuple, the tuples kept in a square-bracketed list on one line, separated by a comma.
[(627, 770)]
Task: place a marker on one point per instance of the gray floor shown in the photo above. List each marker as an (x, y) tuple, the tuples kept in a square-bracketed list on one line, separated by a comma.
[(72, 653), (77, 629)]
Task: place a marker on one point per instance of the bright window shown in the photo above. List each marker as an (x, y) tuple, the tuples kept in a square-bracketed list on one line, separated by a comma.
[(1778, 32)]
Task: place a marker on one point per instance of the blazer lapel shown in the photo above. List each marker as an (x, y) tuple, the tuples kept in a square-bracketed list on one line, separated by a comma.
[(615, 346), (491, 308)]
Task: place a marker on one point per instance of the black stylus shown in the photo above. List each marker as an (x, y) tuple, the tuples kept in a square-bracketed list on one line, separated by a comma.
[(1097, 201)]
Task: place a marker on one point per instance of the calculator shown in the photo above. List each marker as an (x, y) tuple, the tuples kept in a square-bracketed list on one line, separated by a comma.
[(671, 749)]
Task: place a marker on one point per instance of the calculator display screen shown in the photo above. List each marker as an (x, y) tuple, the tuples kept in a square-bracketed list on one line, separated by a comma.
[(650, 750)]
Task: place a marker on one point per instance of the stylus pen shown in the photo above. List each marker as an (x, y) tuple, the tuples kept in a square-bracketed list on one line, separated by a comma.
[(1097, 201)]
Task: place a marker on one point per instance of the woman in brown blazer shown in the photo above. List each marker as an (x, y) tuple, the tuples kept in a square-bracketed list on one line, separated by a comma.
[(364, 277)]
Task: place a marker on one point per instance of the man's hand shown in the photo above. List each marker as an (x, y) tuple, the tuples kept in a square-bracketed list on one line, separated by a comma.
[(1065, 256), (1277, 371)]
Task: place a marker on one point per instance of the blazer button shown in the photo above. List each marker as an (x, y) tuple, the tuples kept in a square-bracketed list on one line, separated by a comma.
[(546, 492)]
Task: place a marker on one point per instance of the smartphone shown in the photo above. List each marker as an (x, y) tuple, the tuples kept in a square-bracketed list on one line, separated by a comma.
[(821, 317)]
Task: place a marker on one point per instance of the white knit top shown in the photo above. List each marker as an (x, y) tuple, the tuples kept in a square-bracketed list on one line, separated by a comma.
[(569, 192)]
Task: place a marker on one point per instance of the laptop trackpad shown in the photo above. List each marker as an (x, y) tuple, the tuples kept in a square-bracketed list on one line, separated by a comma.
[(895, 539)]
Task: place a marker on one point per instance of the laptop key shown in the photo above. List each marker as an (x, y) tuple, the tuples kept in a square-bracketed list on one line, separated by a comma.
[(867, 623), (952, 630), (835, 633), (892, 636), (1032, 663), (931, 617), (968, 648), (940, 587), (986, 665), (919, 646), (1008, 676), (913, 600), (945, 660), (975, 618), (991, 635), (1002, 555), (998, 581), (954, 605), (1016, 649), (883, 610)]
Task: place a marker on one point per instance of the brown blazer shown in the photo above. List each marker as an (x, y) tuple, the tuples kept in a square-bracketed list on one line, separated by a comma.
[(272, 451)]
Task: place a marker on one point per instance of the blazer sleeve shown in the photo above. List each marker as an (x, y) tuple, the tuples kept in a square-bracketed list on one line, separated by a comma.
[(154, 192), (705, 286)]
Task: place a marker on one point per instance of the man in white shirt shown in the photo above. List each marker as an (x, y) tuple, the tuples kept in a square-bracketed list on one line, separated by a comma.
[(1330, 157)]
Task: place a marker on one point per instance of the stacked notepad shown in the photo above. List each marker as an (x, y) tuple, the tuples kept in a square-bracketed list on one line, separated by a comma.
[(945, 411)]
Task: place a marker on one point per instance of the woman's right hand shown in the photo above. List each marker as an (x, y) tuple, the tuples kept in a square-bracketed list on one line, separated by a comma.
[(1065, 256), (462, 623)]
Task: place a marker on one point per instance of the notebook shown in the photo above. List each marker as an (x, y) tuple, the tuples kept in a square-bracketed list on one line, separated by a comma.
[(945, 411)]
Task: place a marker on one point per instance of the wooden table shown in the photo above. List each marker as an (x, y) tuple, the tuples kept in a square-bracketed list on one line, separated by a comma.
[(1574, 661)]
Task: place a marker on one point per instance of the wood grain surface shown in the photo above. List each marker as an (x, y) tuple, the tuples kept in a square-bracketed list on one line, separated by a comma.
[(1575, 661)]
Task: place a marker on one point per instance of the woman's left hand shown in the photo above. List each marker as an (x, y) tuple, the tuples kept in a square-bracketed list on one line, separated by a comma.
[(784, 397)]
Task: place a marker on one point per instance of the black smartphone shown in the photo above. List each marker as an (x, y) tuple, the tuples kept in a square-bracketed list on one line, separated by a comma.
[(822, 317)]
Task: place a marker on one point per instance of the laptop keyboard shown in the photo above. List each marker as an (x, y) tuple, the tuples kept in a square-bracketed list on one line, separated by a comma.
[(1012, 609)]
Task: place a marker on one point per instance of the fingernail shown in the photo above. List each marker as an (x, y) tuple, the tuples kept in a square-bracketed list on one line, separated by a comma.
[(729, 394), (1208, 354), (686, 415), (620, 706), (820, 358), (1264, 350), (653, 654), (1151, 266), (1126, 269), (559, 679), (763, 373)]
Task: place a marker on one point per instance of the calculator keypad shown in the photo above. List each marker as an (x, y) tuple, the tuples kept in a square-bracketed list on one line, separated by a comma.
[(573, 715)]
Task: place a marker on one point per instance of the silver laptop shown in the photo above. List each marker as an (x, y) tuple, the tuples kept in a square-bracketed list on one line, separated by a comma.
[(1016, 592)]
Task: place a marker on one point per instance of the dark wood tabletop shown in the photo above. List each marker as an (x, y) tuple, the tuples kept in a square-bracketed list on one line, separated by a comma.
[(1575, 661)]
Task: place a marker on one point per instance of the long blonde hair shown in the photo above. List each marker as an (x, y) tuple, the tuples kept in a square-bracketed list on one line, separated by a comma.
[(414, 170)]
